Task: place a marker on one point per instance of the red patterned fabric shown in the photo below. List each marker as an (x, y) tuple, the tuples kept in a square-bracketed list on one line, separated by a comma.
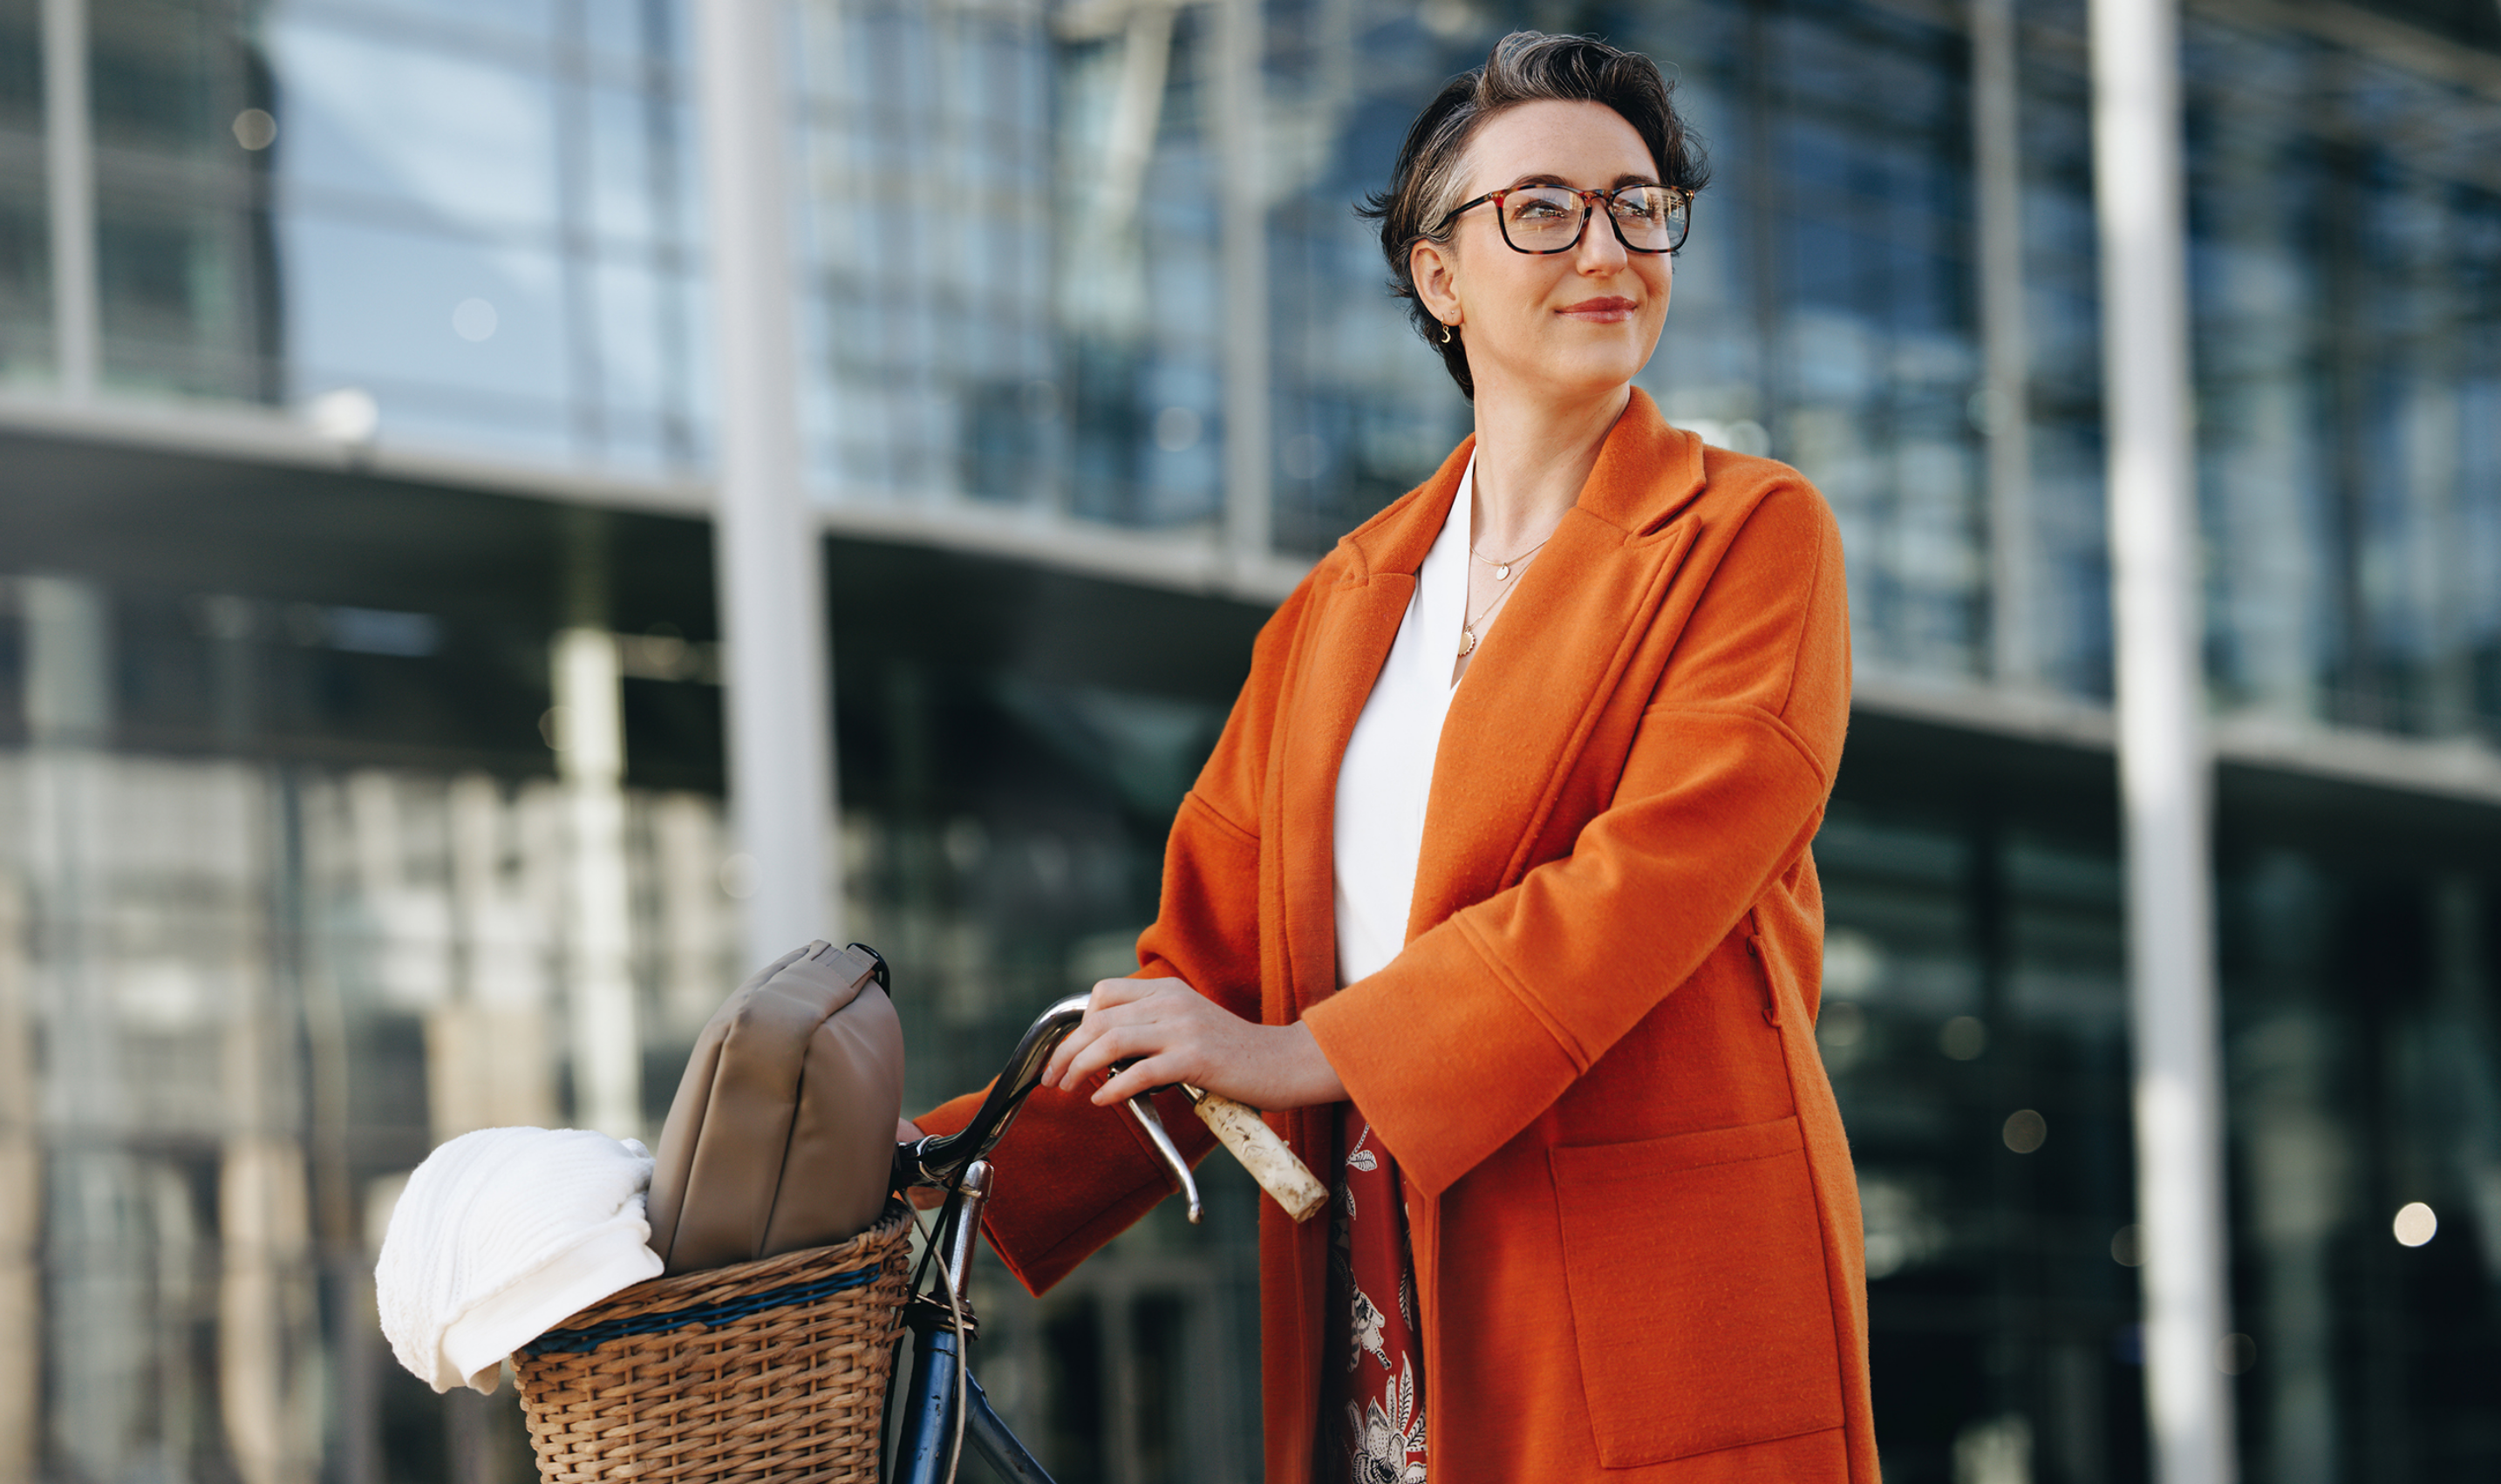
[(1372, 1366)]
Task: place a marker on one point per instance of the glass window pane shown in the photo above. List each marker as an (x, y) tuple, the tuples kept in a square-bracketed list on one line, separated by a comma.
[(375, 124), (446, 334)]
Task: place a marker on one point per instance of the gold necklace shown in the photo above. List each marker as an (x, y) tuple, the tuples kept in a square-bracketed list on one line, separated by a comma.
[(1468, 630), (1502, 570)]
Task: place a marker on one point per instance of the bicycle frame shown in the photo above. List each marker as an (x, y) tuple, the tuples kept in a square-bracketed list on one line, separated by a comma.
[(942, 1407)]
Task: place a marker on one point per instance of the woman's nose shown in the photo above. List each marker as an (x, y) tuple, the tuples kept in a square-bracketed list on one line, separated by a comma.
[(1599, 252)]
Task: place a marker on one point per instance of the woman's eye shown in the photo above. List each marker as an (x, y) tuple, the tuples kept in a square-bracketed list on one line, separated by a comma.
[(1535, 210)]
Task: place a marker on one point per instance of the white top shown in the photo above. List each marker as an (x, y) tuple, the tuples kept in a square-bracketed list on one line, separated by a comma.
[(1387, 776)]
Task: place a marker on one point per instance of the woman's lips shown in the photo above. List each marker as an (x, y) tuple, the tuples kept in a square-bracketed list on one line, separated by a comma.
[(1607, 311)]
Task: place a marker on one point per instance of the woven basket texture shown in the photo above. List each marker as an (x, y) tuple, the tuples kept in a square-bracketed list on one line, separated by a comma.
[(764, 1373)]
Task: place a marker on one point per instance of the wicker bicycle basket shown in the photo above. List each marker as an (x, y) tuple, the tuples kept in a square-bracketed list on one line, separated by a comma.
[(764, 1373)]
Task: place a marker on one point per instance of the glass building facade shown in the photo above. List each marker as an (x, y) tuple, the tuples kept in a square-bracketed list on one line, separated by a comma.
[(355, 401)]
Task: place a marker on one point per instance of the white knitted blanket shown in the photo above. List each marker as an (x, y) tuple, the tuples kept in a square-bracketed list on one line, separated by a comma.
[(503, 1234)]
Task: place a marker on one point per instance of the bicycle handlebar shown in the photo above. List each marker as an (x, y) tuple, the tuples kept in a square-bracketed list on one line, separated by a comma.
[(941, 1160)]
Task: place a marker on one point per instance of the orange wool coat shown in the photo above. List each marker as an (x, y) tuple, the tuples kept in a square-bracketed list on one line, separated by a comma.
[(1636, 1227)]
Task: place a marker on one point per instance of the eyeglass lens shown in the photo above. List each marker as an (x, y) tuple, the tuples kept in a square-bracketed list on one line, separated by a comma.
[(1546, 218)]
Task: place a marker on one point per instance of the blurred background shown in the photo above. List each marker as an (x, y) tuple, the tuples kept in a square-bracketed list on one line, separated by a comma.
[(361, 763)]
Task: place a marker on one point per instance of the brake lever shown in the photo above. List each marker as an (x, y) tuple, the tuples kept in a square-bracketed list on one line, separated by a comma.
[(1157, 1134)]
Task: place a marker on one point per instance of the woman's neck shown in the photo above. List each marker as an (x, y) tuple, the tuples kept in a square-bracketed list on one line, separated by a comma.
[(1532, 457)]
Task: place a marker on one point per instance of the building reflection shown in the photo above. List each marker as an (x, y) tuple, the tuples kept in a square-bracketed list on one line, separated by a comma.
[(360, 755)]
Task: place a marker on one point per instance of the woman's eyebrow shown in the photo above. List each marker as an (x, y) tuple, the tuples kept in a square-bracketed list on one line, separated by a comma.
[(1548, 179)]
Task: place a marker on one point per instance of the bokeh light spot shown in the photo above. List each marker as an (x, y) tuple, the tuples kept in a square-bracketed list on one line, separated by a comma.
[(1964, 1037), (2415, 1223)]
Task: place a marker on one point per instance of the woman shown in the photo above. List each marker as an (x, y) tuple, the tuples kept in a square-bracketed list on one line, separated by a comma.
[(1496, 892)]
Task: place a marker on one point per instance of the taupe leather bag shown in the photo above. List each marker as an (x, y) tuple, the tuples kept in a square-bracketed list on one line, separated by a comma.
[(782, 1135)]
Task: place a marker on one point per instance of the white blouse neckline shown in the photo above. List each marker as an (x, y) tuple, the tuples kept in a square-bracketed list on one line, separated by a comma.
[(1384, 782)]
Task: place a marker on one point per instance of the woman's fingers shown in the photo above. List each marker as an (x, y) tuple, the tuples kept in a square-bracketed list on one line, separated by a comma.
[(1141, 1077), (1136, 1020), (1171, 1033), (1154, 1042), (1111, 992), (1113, 1002), (1055, 1072)]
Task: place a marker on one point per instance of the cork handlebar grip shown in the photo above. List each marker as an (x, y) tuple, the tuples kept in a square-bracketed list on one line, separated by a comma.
[(1241, 1129)]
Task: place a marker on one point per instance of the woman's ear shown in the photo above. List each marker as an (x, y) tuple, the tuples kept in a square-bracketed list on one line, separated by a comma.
[(1435, 269)]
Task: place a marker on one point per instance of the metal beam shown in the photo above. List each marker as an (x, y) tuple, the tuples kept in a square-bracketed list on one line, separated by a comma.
[(2165, 771), (1182, 561), (771, 573)]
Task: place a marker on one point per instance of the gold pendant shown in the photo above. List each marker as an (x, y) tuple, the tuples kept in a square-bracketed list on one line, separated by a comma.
[(1467, 640), (1502, 573)]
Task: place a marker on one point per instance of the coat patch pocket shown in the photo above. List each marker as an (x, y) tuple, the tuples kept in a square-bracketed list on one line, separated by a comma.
[(1699, 1298)]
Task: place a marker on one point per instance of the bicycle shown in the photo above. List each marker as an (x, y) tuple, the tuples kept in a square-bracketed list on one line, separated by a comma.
[(941, 1405)]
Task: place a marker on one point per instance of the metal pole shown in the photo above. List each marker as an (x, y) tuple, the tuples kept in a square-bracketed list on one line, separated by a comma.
[(1243, 212), (2164, 762), (590, 759), (2006, 355), (69, 168), (765, 539)]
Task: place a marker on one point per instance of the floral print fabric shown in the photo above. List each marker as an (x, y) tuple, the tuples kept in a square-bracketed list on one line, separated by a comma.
[(1372, 1369)]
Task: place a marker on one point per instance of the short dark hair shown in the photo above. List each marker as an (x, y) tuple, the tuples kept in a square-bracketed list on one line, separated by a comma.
[(1525, 67)]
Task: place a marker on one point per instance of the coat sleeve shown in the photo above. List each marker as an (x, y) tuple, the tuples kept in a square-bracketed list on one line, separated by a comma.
[(1487, 1018), (1072, 1175)]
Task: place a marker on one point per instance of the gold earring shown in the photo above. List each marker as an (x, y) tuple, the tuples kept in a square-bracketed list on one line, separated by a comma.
[(1446, 333)]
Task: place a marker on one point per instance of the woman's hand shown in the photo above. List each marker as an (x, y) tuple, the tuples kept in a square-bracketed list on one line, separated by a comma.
[(1173, 1033)]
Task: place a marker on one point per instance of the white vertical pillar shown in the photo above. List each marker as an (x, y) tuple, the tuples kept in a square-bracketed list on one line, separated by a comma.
[(70, 705), (765, 539), (1242, 209), (95, 1312), (22, 1204), (264, 1396), (2005, 349), (591, 758), (69, 168), (487, 1063), (264, 1292), (2164, 768)]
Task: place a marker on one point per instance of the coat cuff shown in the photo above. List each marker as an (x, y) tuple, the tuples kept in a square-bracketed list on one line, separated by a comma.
[(1410, 1043)]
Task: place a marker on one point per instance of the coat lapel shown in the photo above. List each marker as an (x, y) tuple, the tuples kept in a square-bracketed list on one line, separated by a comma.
[(1358, 624), (1528, 702), (1561, 648)]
